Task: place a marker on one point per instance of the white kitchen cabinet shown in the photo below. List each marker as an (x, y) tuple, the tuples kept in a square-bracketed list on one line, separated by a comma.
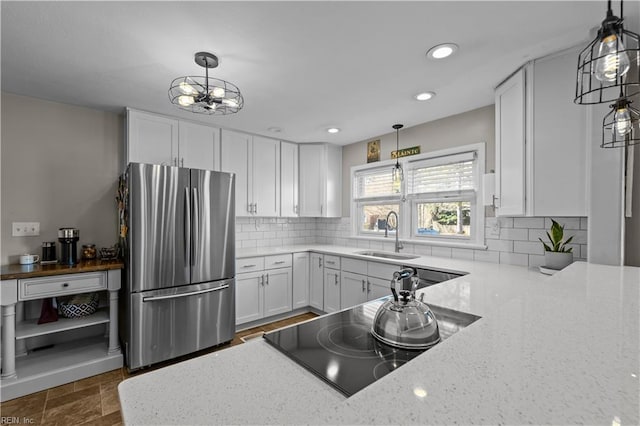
[(288, 179), (331, 290), (316, 281), (353, 289), (377, 288), (541, 141), (256, 163), (320, 180), (300, 280), (155, 139), (266, 291), (199, 146)]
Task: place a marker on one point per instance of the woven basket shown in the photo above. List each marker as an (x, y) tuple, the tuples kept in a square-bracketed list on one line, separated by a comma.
[(79, 305)]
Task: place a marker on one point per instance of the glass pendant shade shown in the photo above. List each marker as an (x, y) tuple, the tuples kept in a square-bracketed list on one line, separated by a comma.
[(204, 94), (620, 126), (397, 172), (610, 64)]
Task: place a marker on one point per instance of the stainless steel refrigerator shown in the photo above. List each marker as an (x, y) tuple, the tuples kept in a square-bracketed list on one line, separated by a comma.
[(180, 262)]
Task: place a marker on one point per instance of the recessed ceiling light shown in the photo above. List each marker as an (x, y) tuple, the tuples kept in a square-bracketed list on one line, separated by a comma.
[(442, 50), (424, 96), (333, 130), (274, 129)]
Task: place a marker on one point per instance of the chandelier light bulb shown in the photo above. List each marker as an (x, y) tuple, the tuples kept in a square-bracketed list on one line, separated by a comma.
[(230, 103), (613, 62), (218, 92), (185, 100), (187, 89), (622, 122)]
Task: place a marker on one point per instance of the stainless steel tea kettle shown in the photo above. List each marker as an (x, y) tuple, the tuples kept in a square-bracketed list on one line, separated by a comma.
[(405, 322)]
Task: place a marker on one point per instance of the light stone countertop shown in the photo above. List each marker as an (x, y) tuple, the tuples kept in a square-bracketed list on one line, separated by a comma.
[(560, 349)]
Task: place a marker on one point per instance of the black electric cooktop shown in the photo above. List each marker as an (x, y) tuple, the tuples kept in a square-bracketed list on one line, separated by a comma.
[(340, 349)]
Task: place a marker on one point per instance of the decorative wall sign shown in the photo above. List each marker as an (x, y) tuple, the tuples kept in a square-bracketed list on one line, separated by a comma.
[(405, 152), (373, 151)]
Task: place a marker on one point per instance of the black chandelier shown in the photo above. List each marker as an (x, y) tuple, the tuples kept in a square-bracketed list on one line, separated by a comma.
[(620, 126), (605, 66), (206, 95)]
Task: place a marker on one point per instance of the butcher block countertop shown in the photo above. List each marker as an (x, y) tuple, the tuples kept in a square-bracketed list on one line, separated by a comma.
[(561, 349), (18, 272)]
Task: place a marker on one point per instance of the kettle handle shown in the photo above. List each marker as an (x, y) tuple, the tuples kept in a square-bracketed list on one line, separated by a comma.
[(397, 276)]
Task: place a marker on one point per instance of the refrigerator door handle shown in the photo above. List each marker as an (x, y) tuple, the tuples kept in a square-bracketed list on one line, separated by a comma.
[(187, 223), (192, 293), (196, 226)]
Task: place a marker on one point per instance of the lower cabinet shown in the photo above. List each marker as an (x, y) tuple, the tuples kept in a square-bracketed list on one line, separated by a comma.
[(316, 281), (331, 290), (353, 289), (266, 292), (300, 280)]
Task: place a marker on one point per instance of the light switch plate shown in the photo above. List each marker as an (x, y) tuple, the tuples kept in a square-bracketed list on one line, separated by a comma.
[(25, 229)]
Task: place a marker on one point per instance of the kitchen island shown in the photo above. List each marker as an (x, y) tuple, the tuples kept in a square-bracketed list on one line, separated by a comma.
[(560, 349)]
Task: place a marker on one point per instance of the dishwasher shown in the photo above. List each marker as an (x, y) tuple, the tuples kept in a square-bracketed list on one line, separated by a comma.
[(428, 277)]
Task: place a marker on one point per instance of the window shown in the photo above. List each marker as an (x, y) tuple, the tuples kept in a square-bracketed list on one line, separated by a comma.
[(437, 203)]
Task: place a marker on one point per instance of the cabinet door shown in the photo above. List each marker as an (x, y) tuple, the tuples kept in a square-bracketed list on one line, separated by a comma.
[(151, 139), (235, 158), (312, 168), (316, 288), (266, 176), (300, 280), (199, 146), (249, 297), (353, 289), (331, 290), (332, 206), (510, 146), (277, 291), (559, 139), (288, 179), (377, 288)]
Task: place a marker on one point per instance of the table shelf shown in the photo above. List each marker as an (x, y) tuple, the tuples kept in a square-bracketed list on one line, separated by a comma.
[(31, 328)]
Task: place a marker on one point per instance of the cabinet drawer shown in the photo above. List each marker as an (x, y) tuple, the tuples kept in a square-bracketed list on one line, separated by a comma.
[(279, 261), (354, 265), (249, 264), (332, 262), (382, 270), (37, 288)]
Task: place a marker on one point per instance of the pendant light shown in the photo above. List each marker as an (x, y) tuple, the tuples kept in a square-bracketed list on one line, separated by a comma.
[(620, 127), (205, 95), (605, 65), (397, 173)]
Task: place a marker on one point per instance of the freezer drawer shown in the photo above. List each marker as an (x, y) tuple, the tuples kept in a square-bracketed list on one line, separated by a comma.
[(172, 322)]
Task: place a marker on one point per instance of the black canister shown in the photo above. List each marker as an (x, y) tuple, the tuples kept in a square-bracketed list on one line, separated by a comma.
[(48, 251), (68, 238)]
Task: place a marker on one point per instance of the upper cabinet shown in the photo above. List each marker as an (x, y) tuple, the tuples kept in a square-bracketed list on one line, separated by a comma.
[(320, 180), (541, 150), (288, 179), (256, 162), (156, 139)]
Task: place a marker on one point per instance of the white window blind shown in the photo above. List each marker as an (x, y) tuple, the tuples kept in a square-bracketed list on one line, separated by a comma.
[(374, 184), (452, 174)]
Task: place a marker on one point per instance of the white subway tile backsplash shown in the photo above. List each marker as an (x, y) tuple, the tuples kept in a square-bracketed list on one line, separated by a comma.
[(514, 234), (567, 222), (486, 256), (505, 222), (584, 222), (440, 251), (528, 222), (458, 253), (499, 245), (528, 247), (535, 260)]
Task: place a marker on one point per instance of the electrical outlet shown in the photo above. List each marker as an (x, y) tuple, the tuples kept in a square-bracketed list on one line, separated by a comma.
[(25, 229)]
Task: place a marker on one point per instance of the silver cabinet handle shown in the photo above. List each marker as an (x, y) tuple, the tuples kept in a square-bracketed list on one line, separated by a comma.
[(255, 208), (319, 262), (368, 287), (336, 279), (320, 209), (267, 279), (363, 285), (262, 280), (280, 262), (249, 208), (330, 262), (193, 293), (249, 266)]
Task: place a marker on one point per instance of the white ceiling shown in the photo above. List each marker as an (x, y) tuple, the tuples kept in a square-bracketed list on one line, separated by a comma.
[(301, 66)]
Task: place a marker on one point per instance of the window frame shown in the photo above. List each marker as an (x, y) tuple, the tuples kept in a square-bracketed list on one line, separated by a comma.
[(408, 202)]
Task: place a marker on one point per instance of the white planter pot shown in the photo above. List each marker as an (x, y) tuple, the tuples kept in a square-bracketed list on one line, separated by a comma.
[(555, 260)]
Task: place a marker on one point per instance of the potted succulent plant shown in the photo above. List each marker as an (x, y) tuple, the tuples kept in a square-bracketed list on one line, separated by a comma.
[(556, 254)]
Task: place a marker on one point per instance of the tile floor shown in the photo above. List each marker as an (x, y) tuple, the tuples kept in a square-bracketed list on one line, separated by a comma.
[(94, 400)]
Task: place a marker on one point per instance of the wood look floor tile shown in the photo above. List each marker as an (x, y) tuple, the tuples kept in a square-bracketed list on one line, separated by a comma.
[(79, 411), (100, 378), (112, 419), (30, 406), (60, 390), (109, 397), (72, 397)]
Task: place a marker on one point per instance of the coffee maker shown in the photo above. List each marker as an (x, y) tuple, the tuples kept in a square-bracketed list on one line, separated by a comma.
[(68, 238)]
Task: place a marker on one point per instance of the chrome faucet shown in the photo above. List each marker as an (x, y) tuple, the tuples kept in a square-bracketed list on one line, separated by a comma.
[(399, 245)]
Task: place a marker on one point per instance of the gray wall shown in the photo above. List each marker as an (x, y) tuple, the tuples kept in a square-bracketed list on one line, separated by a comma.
[(59, 168), (469, 127)]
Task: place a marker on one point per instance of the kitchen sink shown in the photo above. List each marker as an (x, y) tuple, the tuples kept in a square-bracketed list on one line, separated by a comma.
[(386, 255)]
